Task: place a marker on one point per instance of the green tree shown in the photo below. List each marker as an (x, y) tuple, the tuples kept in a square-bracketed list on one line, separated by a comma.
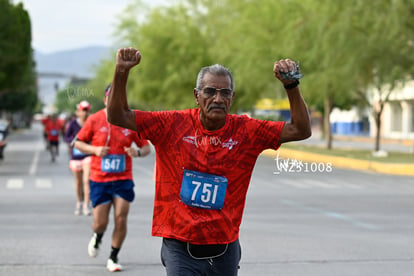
[(15, 45), (338, 43), (17, 75), (23, 98), (173, 50), (386, 61), (241, 35), (251, 35), (68, 97), (327, 44)]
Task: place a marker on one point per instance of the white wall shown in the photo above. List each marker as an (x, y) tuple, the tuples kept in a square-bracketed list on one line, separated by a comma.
[(398, 114)]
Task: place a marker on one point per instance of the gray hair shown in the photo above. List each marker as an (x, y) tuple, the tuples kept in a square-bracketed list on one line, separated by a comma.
[(217, 70)]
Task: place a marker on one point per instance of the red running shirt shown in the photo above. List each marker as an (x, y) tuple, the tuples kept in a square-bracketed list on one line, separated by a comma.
[(98, 132), (53, 130), (181, 143)]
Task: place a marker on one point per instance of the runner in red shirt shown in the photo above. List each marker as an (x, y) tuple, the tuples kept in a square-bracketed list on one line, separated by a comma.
[(110, 177), (45, 121), (205, 159), (53, 130)]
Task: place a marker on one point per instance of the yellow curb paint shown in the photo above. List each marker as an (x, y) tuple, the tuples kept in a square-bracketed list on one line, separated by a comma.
[(344, 162)]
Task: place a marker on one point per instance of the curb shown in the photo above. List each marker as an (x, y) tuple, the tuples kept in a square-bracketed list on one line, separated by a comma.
[(344, 162)]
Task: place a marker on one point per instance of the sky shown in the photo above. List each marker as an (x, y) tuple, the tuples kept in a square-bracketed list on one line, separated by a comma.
[(70, 24)]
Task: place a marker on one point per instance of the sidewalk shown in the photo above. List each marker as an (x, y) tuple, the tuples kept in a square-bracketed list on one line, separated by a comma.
[(351, 142), (361, 142)]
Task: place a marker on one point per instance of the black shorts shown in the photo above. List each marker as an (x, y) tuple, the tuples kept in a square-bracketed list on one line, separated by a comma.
[(54, 143), (176, 256)]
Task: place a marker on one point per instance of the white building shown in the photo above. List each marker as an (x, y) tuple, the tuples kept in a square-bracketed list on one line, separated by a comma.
[(348, 122), (398, 114), (48, 85)]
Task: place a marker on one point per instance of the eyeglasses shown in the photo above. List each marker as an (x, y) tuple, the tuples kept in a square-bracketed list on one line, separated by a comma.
[(210, 92)]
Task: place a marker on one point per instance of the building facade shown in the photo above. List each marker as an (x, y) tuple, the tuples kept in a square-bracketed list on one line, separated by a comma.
[(398, 115)]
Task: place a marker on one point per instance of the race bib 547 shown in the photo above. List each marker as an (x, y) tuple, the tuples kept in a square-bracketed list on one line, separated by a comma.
[(113, 163)]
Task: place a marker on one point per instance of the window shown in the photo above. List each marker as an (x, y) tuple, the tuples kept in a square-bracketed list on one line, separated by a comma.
[(412, 117), (396, 117)]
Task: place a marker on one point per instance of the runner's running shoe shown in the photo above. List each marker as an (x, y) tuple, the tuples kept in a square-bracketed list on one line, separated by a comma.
[(113, 266), (86, 210), (93, 247), (78, 208)]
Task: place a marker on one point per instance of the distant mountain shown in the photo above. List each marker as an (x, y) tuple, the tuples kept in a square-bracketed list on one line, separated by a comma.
[(77, 62)]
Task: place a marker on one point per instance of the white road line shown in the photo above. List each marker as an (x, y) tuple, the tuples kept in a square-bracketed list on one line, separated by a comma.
[(348, 185), (333, 215), (319, 184), (295, 183), (43, 183), (35, 160), (352, 186), (14, 183)]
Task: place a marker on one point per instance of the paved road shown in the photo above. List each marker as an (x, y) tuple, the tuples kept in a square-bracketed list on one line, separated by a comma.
[(327, 222)]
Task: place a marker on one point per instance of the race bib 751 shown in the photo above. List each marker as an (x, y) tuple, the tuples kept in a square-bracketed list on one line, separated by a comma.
[(203, 190)]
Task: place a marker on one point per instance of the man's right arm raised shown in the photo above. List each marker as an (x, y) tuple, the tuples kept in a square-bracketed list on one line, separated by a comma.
[(118, 111)]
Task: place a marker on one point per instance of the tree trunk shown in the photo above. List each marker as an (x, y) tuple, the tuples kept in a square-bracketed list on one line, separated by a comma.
[(327, 122), (377, 116)]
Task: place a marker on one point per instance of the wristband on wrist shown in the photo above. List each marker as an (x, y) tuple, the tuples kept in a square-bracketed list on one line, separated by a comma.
[(291, 85), (139, 153)]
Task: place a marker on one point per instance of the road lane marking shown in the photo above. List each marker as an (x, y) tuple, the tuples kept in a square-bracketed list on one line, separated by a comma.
[(42, 183), (35, 160), (14, 184), (308, 183), (294, 183), (345, 184), (353, 186), (351, 220), (319, 184), (333, 215)]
